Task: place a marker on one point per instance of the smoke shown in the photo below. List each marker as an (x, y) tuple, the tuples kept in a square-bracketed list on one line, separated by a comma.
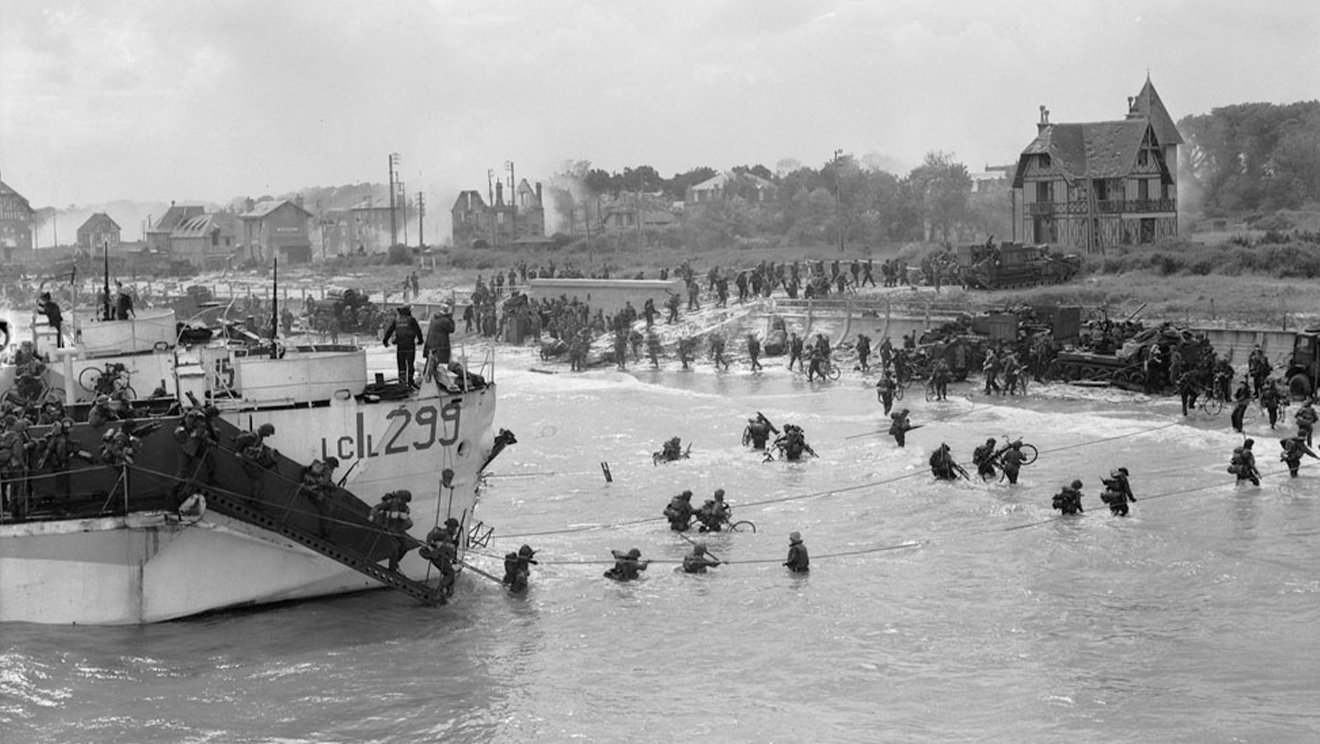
[(1191, 195)]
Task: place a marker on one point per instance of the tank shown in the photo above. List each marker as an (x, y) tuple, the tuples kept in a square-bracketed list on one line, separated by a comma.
[(990, 266)]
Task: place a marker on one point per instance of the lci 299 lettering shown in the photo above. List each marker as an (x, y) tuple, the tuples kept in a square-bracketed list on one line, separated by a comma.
[(408, 431)]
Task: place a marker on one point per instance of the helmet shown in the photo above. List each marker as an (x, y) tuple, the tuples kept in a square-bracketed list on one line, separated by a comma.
[(686, 495), (634, 553), (1076, 484), (699, 548), (527, 551), (1248, 443), (991, 440), (266, 430), (403, 495), (719, 493), (795, 536)]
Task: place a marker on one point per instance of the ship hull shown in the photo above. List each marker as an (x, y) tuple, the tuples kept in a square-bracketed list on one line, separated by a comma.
[(149, 565)]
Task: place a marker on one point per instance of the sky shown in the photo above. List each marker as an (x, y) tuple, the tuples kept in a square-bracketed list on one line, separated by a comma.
[(208, 101)]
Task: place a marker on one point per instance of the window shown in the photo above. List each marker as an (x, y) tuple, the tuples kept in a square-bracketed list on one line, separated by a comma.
[(1045, 162), (1044, 191), (1143, 189), (1101, 189)]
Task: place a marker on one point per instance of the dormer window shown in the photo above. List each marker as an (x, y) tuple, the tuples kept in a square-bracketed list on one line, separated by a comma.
[(1045, 161)]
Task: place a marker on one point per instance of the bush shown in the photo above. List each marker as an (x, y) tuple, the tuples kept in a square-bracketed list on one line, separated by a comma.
[(399, 255)]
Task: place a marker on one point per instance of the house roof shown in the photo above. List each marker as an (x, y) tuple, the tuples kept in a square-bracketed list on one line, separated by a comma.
[(468, 201), (176, 214), (95, 218), (265, 208), (1102, 149), (720, 180), (526, 188), (5, 190), (1148, 104), (198, 226)]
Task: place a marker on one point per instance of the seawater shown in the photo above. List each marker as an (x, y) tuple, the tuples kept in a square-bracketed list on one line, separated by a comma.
[(934, 612)]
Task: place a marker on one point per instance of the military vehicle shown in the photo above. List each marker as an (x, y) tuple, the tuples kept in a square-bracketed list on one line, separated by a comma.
[(1304, 366), (990, 266)]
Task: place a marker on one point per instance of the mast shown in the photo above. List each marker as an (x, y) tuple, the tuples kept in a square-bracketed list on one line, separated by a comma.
[(108, 315), (275, 308)]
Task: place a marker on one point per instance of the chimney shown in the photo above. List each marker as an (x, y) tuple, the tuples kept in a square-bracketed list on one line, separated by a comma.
[(298, 200), (499, 193), (1044, 119), (538, 193)]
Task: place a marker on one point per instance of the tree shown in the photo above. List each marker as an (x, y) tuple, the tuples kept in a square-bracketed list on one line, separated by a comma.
[(943, 187)]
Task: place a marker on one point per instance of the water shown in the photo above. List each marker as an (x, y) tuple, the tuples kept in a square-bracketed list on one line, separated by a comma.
[(966, 612)]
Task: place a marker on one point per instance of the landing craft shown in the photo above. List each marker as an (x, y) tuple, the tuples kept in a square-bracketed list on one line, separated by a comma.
[(104, 541)]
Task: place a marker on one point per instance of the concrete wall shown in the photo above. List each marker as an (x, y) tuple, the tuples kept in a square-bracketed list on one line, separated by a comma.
[(1237, 343), (609, 295)]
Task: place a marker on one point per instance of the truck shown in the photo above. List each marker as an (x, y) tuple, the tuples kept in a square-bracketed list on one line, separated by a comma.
[(990, 266), (1304, 365)]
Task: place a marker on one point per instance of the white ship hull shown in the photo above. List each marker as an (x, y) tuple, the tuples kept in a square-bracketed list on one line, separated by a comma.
[(151, 566)]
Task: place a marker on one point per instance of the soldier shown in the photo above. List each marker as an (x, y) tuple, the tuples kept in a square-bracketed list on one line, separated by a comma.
[(1243, 464), (754, 351), (627, 566), (699, 560), (195, 438), (984, 459), (798, 559), (1118, 492), (679, 512), (58, 452), (393, 514), (255, 457), (1069, 499), (1306, 418), (942, 465), (318, 484), (16, 446), (1293, 449), (794, 351), (714, 513), (442, 554), (517, 568), (899, 426), (884, 391)]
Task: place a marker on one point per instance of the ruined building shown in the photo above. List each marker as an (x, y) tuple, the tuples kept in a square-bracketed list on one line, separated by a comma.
[(1087, 187), (499, 225)]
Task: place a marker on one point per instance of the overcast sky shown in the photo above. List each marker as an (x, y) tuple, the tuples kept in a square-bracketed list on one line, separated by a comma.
[(103, 100)]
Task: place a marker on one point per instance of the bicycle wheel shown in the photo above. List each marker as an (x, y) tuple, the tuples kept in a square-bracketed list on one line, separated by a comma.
[(930, 393), (1213, 405), (898, 390), (833, 372), (89, 378), (742, 526), (1029, 453), (125, 392)]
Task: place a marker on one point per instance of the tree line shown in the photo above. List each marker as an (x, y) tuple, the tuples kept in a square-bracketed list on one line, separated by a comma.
[(842, 200), (1252, 157)]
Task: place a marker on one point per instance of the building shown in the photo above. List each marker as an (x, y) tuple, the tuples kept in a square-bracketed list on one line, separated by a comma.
[(1091, 186), (98, 231), (500, 224), (622, 217), (16, 221), (158, 234), (726, 185), (276, 229), (993, 178), (364, 228)]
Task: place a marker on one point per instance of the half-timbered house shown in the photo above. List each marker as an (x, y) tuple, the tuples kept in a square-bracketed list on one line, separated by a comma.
[(1087, 187)]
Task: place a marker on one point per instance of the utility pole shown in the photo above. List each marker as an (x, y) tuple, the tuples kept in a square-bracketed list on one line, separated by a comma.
[(403, 205), (640, 235), (513, 204), (394, 229), (421, 217), (838, 197)]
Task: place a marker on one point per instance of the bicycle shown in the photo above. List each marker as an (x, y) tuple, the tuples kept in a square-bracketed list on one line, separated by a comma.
[(1209, 402), (828, 370), (1029, 451), (111, 381)]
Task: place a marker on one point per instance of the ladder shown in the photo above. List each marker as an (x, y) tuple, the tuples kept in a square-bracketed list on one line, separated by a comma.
[(241, 510)]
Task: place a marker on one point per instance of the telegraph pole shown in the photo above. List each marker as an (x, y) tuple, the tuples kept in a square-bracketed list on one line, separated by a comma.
[(403, 205), (421, 217), (838, 197), (394, 229)]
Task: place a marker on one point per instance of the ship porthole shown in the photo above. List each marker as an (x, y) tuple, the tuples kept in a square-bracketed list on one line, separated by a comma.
[(463, 448)]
